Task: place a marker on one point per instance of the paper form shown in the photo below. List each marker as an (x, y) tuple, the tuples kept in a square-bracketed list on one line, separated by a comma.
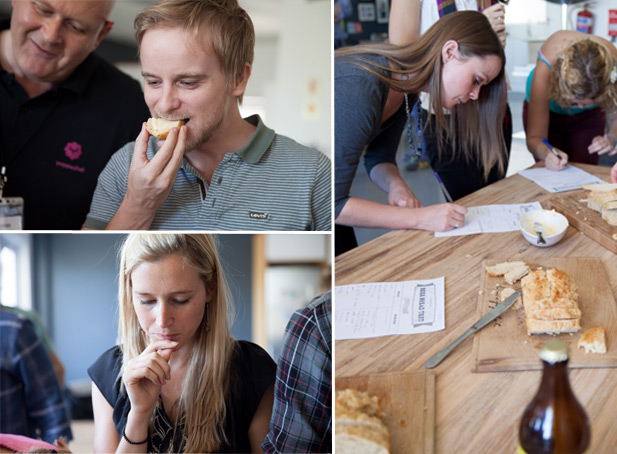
[(569, 179), (388, 308), (492, 219)]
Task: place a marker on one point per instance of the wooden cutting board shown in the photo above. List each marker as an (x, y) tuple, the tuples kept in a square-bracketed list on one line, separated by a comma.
[(573, 205), (408, 402), (504, 345)]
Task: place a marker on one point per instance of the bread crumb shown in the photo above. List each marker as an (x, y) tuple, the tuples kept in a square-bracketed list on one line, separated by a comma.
[(585, 218), (577, 212), (582, 201), (481, 292), (615, 236), (468, 255)]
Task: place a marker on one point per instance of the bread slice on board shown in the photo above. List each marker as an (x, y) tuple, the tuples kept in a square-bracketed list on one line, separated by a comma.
[(358, 424), (511, 271), (593, 341)]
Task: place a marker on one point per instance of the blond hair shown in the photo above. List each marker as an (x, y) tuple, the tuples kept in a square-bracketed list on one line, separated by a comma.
[(227, 26), (583, 71), (473, 125), (206, 385)]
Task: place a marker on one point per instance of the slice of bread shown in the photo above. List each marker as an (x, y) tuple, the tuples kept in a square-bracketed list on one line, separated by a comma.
[(597, 199), (593, 341), (159, 127), (511, 271), (358, 425), (603, 187), (609, 212)]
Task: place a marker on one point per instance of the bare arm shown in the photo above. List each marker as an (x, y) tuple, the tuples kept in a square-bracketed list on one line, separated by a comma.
[(260, 423), (404, 21), (538, 119), (106, 437)]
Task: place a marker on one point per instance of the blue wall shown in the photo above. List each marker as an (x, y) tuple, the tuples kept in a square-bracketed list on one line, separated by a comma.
[(76, 279)]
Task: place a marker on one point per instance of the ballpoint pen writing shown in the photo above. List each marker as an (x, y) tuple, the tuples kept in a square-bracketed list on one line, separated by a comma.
[(550, 147), (443, 188)]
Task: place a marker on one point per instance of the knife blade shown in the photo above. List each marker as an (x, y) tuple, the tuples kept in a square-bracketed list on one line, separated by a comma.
[(489, 317)]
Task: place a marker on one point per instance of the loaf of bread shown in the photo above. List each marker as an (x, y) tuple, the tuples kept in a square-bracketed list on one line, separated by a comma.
[(597, 199), (159, 127), (358, 424), (550, 301), (511, 271), (609, 212), (593, 341)]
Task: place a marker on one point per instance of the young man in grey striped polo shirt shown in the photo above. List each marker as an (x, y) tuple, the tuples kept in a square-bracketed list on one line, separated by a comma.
[(218, 171)]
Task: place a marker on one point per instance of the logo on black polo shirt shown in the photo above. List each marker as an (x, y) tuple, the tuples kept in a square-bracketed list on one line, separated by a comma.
[(255, 215), (73, 151)]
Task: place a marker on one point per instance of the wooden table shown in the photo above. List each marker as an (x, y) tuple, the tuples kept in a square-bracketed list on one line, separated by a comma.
[(475, 412)]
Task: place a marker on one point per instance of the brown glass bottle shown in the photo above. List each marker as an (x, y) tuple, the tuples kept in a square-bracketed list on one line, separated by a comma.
[(554, 421)]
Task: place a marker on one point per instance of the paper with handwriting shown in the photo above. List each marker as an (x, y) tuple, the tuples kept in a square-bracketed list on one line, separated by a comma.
[(568, 179), (388, 308), (492, 219)]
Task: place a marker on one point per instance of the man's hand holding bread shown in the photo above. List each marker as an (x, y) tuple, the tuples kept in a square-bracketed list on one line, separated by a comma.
[(150, 181)]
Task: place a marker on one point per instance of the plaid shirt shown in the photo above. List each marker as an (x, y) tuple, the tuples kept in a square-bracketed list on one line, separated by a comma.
[(30, 395), (302, 414)]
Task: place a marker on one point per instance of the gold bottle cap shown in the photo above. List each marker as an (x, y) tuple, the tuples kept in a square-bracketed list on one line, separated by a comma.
[(554, 351)]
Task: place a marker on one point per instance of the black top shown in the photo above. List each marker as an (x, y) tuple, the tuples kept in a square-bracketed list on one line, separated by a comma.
[(55, 145), (253, 371)]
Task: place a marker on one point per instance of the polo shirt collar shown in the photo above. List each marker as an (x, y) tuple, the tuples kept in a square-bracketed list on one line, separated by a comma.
[(255, 148)]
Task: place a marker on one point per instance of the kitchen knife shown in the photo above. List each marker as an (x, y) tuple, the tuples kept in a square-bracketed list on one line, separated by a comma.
[(490, 316)]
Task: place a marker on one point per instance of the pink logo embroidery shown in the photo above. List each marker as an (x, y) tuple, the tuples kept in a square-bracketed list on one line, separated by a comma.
[(72, 150)]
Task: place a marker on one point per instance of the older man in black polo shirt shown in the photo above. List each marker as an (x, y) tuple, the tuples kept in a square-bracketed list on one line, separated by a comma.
[(63, 110)]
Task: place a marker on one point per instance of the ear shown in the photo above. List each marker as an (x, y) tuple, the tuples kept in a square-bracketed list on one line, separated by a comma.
[(103, 33), (240, 85), (211, 290), (448, 51)]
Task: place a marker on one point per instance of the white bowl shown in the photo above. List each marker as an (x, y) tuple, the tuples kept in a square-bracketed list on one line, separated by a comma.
[(554, 226)]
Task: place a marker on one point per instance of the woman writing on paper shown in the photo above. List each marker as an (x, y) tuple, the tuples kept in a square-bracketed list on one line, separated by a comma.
[(460, 58), (571, 94)]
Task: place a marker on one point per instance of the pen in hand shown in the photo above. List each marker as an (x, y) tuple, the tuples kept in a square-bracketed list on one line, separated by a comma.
[(550, 147), (443, 188)]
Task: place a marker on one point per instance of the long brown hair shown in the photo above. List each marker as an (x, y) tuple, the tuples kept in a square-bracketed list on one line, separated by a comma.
[(473, 125), (206, 385)]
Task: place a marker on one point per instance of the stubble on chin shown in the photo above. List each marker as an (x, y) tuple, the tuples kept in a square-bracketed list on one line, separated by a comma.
[(205, 135)]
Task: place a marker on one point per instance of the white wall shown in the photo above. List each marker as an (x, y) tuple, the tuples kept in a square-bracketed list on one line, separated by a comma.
[(523, 39), (303, 63)]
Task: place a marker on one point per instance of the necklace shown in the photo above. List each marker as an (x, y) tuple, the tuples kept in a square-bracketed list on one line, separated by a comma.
[(416, 149)]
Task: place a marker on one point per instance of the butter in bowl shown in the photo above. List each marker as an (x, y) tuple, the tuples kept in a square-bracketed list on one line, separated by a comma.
[(551, 224)]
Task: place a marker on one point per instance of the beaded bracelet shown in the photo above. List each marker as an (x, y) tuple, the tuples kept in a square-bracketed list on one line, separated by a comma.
[(132, 442), (612, 137)]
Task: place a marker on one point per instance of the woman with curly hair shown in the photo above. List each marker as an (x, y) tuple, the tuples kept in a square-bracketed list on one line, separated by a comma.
[(571, 94)]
